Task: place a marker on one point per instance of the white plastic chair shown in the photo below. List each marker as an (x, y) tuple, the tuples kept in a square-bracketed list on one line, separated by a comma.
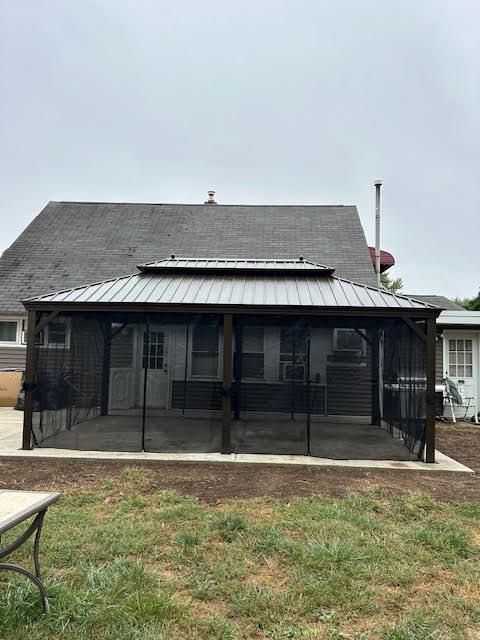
[(455, 398)]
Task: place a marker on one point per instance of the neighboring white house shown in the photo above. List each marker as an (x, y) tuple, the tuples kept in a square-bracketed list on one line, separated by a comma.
[(459, 335)]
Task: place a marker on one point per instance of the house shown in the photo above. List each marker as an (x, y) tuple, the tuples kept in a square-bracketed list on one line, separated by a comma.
[(458, 349), (229, 328), (71, 243)]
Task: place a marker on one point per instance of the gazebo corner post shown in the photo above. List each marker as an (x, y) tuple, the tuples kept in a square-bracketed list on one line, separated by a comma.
[(430, 392), (107, 348), (227, 383), (29, 381)]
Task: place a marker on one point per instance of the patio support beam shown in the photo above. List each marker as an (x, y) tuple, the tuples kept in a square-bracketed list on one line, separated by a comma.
[(227, 383), (237, 367), (415, 328), (107, 349), (29, 381), (43, 323), (430, 423), (374, 338)]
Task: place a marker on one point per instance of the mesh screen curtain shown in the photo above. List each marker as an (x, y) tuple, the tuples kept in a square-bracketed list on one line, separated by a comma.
[(273, 393), (154, 382), (67, 392), (405, 385), (129, 382)]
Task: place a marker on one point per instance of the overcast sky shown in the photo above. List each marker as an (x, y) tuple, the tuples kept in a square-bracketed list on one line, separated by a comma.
[(267, 101)]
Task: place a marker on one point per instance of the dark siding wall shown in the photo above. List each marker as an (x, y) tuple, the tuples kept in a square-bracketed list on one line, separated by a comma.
[(281, 398), (348, 391), (12, 357), (201, 394), (254, 396), (439, 371)]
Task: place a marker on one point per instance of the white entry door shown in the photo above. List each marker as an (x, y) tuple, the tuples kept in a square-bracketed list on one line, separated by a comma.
[(155, 359), (461, 361)]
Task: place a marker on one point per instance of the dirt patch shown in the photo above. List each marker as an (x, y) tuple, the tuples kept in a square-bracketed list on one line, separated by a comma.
[(217, 482)]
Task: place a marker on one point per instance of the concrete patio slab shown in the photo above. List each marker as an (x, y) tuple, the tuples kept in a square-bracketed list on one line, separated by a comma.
[(10, 442)]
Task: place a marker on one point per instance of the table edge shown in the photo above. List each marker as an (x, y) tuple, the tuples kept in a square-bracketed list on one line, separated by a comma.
[(24, 514)]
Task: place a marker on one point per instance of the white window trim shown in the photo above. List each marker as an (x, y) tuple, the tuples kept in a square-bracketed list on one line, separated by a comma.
[(283, 364), (18, 339), (47, 345), (447, 366), (219, 372), (263, 353)]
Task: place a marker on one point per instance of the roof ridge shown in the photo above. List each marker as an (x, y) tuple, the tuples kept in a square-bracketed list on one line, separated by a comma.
[(199, 204)]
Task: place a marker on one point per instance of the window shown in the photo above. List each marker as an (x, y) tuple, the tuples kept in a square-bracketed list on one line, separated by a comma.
[(460, 358), (348, 340), (153, 349), (8, 331), (293, 354), (55, 335), (253, 356), (205, 351)]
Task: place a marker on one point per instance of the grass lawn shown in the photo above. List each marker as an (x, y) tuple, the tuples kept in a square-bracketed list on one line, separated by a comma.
[(122, 565)]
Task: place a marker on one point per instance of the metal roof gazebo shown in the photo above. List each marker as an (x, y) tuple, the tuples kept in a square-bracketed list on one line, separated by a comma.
[(192, 354)]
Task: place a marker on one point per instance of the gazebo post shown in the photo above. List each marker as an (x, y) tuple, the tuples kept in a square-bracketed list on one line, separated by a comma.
[(430, 414), (227, 383), (237, 368), (107, 347), (375, 377), (29, 380)]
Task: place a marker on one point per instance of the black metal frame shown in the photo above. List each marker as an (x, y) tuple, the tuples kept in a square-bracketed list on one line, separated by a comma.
[(369, 319), (34, 528)]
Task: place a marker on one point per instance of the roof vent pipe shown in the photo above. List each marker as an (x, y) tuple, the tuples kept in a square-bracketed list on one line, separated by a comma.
[(378, 186), (211, 198)]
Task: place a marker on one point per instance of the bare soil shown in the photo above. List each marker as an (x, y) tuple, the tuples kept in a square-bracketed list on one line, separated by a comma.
[(218, 482)]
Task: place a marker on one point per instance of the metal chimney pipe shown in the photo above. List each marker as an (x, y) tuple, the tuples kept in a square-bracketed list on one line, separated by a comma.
[(378, 185)]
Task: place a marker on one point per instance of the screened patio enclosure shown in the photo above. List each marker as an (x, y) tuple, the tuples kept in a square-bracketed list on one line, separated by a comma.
[(232, 356)]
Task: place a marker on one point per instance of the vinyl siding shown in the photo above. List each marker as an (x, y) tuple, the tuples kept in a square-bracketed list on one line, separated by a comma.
[(201, 394), (439, 373), (281, 398), (348, 391), (12, 357), (254, 396)]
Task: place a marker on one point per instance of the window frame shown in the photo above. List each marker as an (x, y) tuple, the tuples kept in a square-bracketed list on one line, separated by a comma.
[(46, 344), (463, 351), (361, 351), (243, 352), (147, 343), (192, 352), (18, 333), (283, 364)]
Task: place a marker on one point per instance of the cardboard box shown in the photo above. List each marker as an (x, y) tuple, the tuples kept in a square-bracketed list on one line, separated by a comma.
[(10, 382)]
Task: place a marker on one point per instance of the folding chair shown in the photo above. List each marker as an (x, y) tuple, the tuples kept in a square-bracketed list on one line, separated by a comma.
[(455, 398)]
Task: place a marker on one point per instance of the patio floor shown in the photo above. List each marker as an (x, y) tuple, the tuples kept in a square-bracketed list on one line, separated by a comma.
[(174, 434), (339, 444)]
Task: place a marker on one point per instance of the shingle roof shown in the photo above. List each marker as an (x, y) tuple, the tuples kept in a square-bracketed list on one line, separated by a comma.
[(232, 287), (439, 301), (70, 243)]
